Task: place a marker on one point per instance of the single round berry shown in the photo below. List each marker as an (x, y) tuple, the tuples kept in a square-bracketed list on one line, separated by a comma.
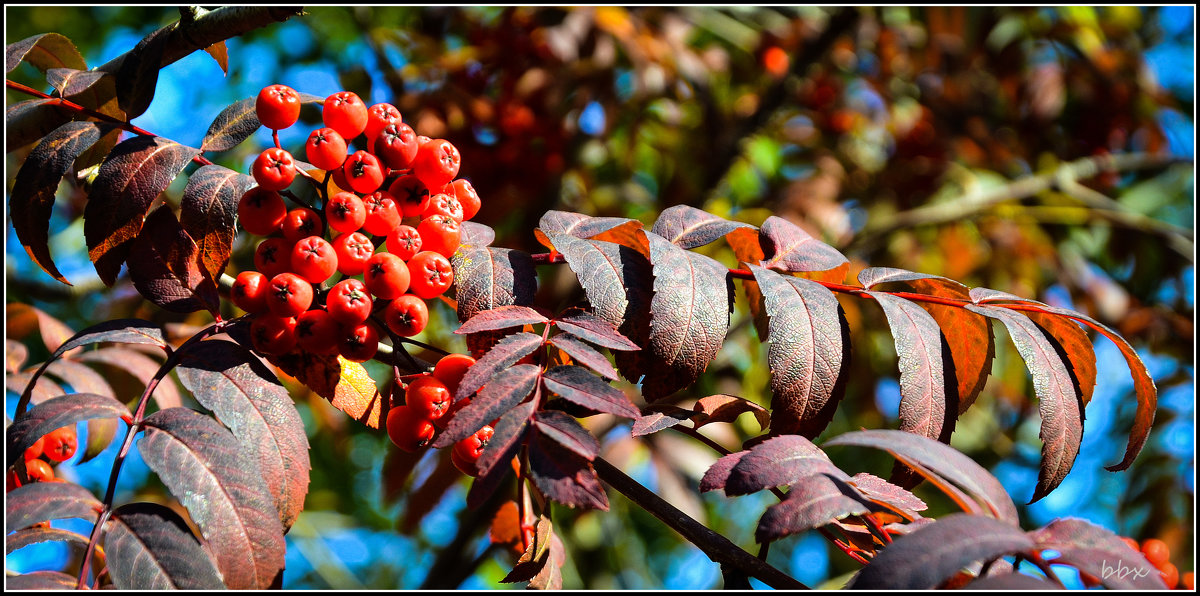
[(379, 116), (396, 146), (440, 234), (428, 397), (314, 259), (348, 302), (317, 332), (412, 196), (274, 169), (466, 452), (386, 275), (273, 256), (37, 470), (325, 149), (1156, 552), (406, 316), (273, 335), (345, 212), (34, 451), (249, 291), (408, 430), (277, 106), (359, 343), (462, 190), (261, 211), (1170, 575), (436, 163), (430, 274), (289, 295), (60, 444), (444, 204), (382, 213), (451, 368), (363, 172), (353, 250), (404, 242), (302, 222), (346, 113)]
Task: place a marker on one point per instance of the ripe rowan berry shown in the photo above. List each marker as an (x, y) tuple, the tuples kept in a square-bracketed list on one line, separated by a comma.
[(1188, 581), (249, 291), (346, 113), (60, 444), (271, 334), (274, 169), (382, 213), (440, 234), (1131, 543), (379, 116), (1170, 575), (363, 172), (348, 302), (1156, 552), (317, 332), (277, 106), (37, 470), (325, 149), (261, 211), (396, 146), (353, 250), (444, 204), (386, 275), (428, 397), (462, 190), (465, 455), (451, 368), (314, 259), (273, 256), (34, 451), (345, 212), (404, 242), (407, 430), (436, 163), (289, 295), (359, 343), (406, 316), (430, 274), (411, 195), (302, 222)]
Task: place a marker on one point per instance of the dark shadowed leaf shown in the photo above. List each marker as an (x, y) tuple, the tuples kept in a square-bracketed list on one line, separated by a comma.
[(585, 355), (26, 122), (150, 547), (42, 501), (550, 577), (1058, 399), (40, 580), (36, 535), (807, 355), (812, 502), (689, 227), (476, 234), (726, 408), (596, 330), (346, 384), (778, 461), (923, 358), (938, 459), (501, 393), (503, 355), (493, 464), (501, 317), (658, 417), (138, 75), (199, 461), (54, 413), (1012, 582), (567, 431), (563, 476), (70, 81), (576, 384), (246, 397), (127, 183), (536, 555), (928, 556), (23, 319), (15, 355), (165, 267), (208, 213), (1098, 552), (232, 126), (486, 278), (44, 51), (32, 198), (693, 296), (718, 474), (885, 493), (787, 247), (398, 466), (423, 498)]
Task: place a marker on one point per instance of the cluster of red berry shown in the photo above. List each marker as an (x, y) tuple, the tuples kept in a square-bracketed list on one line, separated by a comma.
[(402, 195), (56, 446), (1159, 554), (428, 406)]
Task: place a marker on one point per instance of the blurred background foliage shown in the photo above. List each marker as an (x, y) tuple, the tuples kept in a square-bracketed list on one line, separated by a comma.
[(903, 136)]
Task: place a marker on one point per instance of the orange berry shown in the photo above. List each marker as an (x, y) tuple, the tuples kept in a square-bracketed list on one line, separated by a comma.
[(1156, 552)]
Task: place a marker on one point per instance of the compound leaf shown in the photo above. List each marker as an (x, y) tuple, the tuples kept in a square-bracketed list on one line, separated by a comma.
[(501, 317), (778, 461), (577, 385), (501, 393), (208, 213), (165, 267), (812, 502), (150, 547), (564, 476), (689, 227), (503, 355)]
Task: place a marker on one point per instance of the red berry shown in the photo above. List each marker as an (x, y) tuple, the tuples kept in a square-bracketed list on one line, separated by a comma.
[(325, 149), (404, 242), (345, 212), (363, 172), (277, 106), (37, 470), (386, 275), (444, 204), (249, 291), (440, 234), (379, 116), (346, 113), (444, 421), (274, 169), (406, 316), (317, 332), (273, 256), (359, 343), (1156, 552), (314, 259), (302, 222), (34, 451), (396, 146), (465, 455), (428, 397), (451, 368), (412, 196), (382, 213), (1170, 574), (261, 211), (273, 335), (289, 295), (408, 430), (60, 444), (462, 190), (348, 302), (353, 250), (430, 274), (436, 163)]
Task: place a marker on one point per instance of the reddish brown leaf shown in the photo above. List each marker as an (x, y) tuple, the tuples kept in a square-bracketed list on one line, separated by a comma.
[(506, 525), (40, 580), (807, 354), (200, 462), (28, 121), (138, 74), (32, 198), (596, 330), (563, 476), (812, 502), (70, 81), (557, 223), (584, 354), (493, 464), (246, 397), (693, 296), (550, 577), (150, 547), (502, 392), (37, 392), (165, 266), (15, 355), (1098, 552), (346, 384), (501, 317), (232, 126), (476, 235), (726, 408), (1011, 582), (425, 497), (787, 247), (1058, 400), (567, 431), (208, 213), (658, 417), (887, 494), (688, 227), (127, 183), (1076, 348), (577, 385), (54, 413), (486, 278), (536, 555), (778, 461), (42, 501), (717, 475), (221, 54), (35, 535), (22, 319), (141, 367), (44, 51), (503, 355), (925, 558), (82, 379)]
